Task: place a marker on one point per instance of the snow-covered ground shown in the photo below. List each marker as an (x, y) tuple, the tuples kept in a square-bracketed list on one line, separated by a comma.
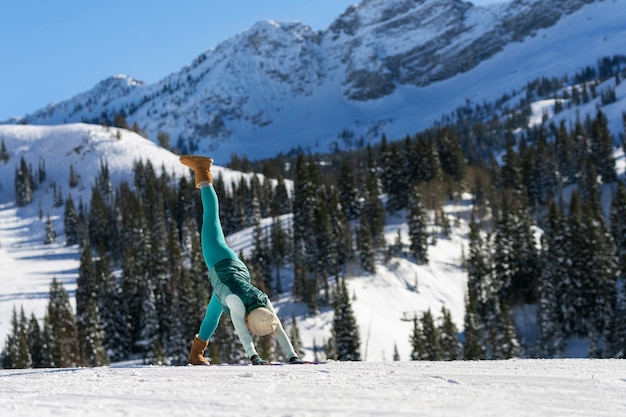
[(514, 388)]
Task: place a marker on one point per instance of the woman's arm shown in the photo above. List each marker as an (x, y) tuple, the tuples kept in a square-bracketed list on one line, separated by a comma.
[(238, 317), (281, 336)]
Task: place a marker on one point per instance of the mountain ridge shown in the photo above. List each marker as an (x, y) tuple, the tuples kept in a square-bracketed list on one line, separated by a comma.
[(280, 85)]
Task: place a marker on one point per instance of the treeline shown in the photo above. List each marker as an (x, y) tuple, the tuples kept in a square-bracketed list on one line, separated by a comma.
[(539, 237)]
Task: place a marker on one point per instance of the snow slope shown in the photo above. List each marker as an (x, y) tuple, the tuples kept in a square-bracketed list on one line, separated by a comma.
[(515, 388)]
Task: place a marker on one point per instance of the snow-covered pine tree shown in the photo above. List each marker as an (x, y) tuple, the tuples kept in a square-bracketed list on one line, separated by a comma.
[(16, 353), (473, 348), (450, 346), (554, 272), (618, 226), (50, 235), (350, 195), (23, 186), (365, 247), (294, 336), (60, 335), (432, 338), (602, 148), (70, 222), (417, 222), (148, 322), (345, 329), (417, 341), (4, 154), (395, 178), (113, 311), (36, 343)]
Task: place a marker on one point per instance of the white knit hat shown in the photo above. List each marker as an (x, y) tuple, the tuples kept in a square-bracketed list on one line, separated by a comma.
[(261, 321)]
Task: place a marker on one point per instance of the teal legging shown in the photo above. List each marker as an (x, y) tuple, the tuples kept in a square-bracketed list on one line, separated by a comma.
[(214, 249), (214, 246)]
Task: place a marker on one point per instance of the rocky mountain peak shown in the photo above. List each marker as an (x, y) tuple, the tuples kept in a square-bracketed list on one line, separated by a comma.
[(283, 78)]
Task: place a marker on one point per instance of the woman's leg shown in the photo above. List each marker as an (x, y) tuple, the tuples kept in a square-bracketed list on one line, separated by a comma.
[(214, 247), (211, 319)]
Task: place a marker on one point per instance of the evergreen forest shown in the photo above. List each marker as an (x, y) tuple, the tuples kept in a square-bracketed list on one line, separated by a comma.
[(547, 231)]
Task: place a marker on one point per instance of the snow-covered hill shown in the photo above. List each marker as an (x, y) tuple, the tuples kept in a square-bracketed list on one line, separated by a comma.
[(382, 66)]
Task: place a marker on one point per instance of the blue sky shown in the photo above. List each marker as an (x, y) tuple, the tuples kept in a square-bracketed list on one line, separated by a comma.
[(53, 50)]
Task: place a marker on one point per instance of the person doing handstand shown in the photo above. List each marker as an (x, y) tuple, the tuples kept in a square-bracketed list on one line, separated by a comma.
[(250, 309)]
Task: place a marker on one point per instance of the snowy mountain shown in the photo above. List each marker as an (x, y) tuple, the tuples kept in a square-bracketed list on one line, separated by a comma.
[(382, 66), (280, 85)]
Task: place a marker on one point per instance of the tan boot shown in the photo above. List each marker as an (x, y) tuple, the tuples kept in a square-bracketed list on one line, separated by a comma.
[(201, 166), (196, 355)]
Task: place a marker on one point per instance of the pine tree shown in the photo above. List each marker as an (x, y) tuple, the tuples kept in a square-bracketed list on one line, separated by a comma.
[(451, 156), (507, 345), (74, 177), (480, 285), (418, 233), (60, 330), (417, 341), (294, 336), (594, 270), (553, 274), (305, 202), (602, 148), (36, 344), (432, 338), (88, 321), (565, 154), (281, 202), (23, 184), (365, 247), (50, 234), (473, 348), (280, 248), (324, 238), (113, 311), (345, 329), (396, 354), (148, 321), (341, 236), (618, 226), (99, 221), (395, 179), (262, 259), (374, 212), (349, 194), (4, 155), (600, 286), (516, 259), (71, 223), (450, 346), (16, 353)]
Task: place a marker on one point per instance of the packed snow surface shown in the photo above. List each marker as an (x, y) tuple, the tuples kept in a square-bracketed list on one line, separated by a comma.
[(550, 388)]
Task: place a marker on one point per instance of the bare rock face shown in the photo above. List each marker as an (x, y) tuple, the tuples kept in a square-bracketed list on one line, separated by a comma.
[(419, 42)]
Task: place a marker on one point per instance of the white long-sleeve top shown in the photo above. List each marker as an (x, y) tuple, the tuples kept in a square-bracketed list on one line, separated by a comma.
[(238, 317)]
